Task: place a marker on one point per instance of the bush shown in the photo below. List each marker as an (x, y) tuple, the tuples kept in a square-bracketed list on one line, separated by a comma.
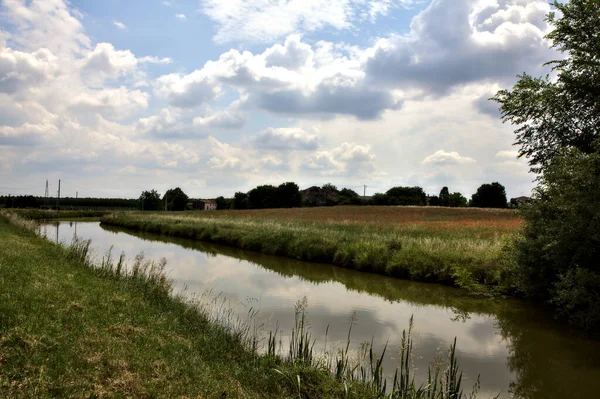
[(560, 243)]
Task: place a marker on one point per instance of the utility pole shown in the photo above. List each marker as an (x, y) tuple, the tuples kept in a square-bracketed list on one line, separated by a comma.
[(58, 197), (46, 194), (364, 191)]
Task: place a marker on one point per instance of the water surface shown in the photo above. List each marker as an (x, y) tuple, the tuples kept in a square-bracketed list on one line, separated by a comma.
[(516, 349)]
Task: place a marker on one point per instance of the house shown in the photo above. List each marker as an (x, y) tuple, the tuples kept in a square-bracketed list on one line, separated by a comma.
[(208, 205), (316, 196), (515, 202)]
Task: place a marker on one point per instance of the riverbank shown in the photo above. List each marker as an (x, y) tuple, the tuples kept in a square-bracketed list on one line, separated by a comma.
[(50, 214), (460, 247), (72, 329)]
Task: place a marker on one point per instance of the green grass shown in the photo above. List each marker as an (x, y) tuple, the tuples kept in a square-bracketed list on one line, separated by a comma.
[(72, 329), (464, 252), (49, 214)]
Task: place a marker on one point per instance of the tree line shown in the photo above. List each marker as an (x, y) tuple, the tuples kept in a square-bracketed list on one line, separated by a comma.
[(286, 195), (30, 201)]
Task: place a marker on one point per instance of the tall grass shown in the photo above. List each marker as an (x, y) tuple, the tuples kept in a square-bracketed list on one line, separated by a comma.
[(49, 214), (461, 256)]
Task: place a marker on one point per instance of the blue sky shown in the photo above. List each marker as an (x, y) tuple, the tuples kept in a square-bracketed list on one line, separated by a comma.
[(116, 97)]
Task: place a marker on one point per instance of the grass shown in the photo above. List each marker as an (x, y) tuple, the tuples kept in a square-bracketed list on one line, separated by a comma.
[(49, 214), (69, 328), (461, 247)]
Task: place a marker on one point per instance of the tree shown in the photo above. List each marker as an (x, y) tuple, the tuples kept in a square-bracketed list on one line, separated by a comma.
[(457, 200), (557, 255), (434, 200), (349, 197), (288, 195), (564, 113), (380, 199), (150, 200), (262, 197), (406, 196), (489, 196), (330, 187), (223, 203), (240, 201), (444, 197), (175, 199)]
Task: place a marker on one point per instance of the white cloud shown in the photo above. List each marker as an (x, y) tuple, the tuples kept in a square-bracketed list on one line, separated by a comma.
[(347, 159), (187, 91), (442, 158), (120, 25), (22, 70), (105, 62), (226, 119), (486, 41), (267, 20), (27, 134), (225, 156), (505, 154), (286, 139), (46, 24), (181, 17), (292, 79)]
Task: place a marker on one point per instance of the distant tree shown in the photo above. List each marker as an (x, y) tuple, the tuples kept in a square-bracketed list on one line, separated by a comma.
[(445, 197), (330, 187), (349, 197), (489, 196), (223, 203), (150, 200), (380, 199), (288, 195), (457, 200), (434, 200), (175, 199), (240, 201), (406, 196), (262, 197)]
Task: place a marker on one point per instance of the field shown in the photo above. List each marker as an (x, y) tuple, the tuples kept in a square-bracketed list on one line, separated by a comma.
[(456, 246)]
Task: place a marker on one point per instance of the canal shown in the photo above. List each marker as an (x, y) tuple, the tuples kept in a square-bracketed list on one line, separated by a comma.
[(515, 348)]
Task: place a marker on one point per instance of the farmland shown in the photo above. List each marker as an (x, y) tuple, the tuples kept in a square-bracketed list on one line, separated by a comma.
[(446, 245)]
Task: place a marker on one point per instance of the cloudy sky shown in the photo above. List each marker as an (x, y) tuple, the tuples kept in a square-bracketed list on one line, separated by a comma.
[(215, 96)]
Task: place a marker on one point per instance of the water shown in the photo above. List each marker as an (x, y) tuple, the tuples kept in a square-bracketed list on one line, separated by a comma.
[(516, 349)]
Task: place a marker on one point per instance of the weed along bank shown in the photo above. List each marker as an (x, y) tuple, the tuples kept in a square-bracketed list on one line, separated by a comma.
[(461, 247)]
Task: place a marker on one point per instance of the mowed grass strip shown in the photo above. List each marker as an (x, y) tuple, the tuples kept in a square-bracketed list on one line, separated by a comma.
[(71, 330), (418, 243)]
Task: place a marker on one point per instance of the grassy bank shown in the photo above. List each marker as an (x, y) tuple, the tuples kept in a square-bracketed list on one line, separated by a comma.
[(72, 329), (49, 214), (444, 245)]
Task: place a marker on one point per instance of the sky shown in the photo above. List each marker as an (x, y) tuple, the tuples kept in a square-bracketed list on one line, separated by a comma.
[(115, 97)]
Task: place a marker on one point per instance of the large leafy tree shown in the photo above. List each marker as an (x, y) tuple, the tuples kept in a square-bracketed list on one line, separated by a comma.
[(175, 199), (406, 196), (444, 196), (563, 112), (489, 196), (556, 257), (150, 200)]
